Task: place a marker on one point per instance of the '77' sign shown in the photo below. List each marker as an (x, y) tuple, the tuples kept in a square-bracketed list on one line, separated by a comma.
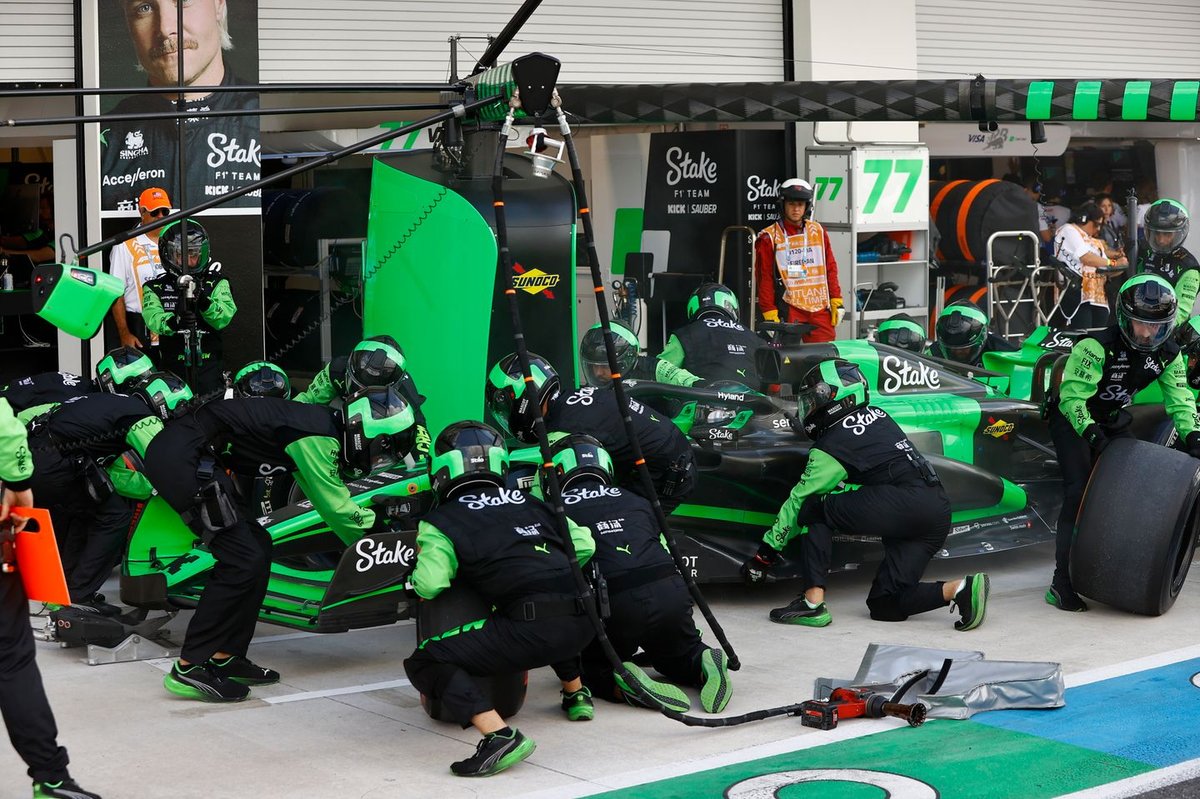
[(893, 181)]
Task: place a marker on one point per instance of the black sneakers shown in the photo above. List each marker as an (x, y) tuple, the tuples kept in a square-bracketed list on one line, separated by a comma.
[(970, 600), (578, 705), (241, 670), (800, 612), (496, 752), (62, 789), (1062, 596), (202, 681)]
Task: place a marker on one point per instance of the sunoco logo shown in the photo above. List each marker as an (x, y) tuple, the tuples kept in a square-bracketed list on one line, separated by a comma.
[(999, 428), (535, 281)]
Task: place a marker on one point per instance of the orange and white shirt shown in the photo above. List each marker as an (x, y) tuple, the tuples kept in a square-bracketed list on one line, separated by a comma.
[(135, 261), (1070, 245)]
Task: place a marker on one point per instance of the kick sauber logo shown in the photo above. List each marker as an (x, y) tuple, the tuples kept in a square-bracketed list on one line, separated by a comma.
[(535, 281)]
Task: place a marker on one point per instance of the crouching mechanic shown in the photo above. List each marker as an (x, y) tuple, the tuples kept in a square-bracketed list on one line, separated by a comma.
[(117, 373), (901, 500), (713, 345), (963, 335), (506, 546), (187, 465), (23, 702), (1102, 373), (75, 445), (650, 605), (592, 410), (376, 361), (902, 332)]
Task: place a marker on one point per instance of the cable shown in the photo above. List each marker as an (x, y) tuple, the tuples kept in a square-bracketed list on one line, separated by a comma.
[(619, 389)]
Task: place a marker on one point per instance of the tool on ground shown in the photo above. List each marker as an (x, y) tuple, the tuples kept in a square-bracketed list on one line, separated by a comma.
[(853, 703)]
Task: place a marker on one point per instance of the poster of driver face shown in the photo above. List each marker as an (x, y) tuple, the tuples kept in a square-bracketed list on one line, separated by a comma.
[(141, 45)]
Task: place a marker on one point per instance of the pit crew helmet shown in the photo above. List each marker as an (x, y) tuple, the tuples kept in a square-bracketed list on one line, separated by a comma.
[(467, 454), (1188, 337), (514, 404), (902, 332), (121, 369), (379, 430), (180, 258), (577, 456), (712, 300), (1166, 226), (1146, 307), (828, 392), (166, 394), (796, 189), (962, 329), (595, 359), (376, 361), (262, 379)]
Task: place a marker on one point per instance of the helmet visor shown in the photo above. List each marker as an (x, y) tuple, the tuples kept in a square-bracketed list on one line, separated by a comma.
[(1145, 335), (1165, 241)]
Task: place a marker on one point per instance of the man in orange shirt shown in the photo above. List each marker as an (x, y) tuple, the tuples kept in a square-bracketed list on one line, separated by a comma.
[(796, 271)]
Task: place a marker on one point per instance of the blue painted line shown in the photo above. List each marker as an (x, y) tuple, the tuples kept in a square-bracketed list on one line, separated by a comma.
[(1105, 716)]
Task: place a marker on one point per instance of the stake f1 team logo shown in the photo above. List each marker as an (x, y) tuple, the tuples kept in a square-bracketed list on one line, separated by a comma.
[(534, 281)]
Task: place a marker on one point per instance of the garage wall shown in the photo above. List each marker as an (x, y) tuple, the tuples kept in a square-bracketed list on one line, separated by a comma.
[(1062, 39), (37, 41), (616, 41)]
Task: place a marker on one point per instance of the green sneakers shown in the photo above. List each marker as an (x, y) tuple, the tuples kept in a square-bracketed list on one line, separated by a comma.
[(971, 601), (800, 612), (496, 752), (716, 691), (578, 705), (670, 696)]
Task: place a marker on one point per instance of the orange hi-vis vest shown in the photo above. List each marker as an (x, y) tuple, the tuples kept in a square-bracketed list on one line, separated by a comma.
[(800, 260)]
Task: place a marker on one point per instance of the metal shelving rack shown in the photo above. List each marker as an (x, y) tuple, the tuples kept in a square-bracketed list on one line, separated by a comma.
[(840, 208)]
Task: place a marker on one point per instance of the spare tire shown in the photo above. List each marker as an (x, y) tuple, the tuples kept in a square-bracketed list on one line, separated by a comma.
[(456, 610), (1134, 538)]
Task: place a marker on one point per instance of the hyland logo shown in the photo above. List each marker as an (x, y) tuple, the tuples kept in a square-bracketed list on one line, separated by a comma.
[(998, 428), (135, 145), (534, 281)]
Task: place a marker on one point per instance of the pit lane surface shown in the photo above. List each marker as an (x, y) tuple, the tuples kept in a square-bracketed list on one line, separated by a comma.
[(344, 722)]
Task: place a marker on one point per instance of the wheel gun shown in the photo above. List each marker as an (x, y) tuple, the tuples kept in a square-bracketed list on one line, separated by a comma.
[(853, 703)]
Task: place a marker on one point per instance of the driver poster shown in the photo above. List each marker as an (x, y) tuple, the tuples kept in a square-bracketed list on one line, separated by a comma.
[(138, 48)]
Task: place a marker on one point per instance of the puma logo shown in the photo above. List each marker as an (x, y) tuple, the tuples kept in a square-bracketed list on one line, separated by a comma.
[(741, 372), (627, 549), (543, 548)]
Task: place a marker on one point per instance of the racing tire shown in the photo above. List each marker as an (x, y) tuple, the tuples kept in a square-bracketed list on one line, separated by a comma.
[(453, 607), (1137, 525)]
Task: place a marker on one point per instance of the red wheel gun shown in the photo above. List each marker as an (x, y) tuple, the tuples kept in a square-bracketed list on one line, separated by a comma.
[(853, 703)]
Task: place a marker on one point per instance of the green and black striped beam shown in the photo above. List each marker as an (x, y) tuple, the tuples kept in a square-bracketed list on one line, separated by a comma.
[(886, 101)]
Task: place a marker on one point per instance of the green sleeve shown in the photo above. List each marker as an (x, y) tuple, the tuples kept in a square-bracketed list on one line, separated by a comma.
[(673, 352), (667, 372), (320, 391), (128, 482), (1081, 380), (1177, 397), (318, 476), (221, 306), (153, 314), (1185, 291), (436, 562), (142, 433), (821, 475), (581, 537), (16, 463), (29, 414)]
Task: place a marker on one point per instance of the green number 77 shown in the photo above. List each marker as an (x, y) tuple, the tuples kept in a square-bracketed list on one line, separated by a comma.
[(882, 168)]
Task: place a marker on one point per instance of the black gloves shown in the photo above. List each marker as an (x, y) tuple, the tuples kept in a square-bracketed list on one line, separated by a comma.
[(1096, 438), (1192, 443), (183, 320), (755, 570)]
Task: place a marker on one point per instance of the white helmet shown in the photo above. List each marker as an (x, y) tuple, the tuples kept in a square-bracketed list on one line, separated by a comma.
[(796, 189)]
